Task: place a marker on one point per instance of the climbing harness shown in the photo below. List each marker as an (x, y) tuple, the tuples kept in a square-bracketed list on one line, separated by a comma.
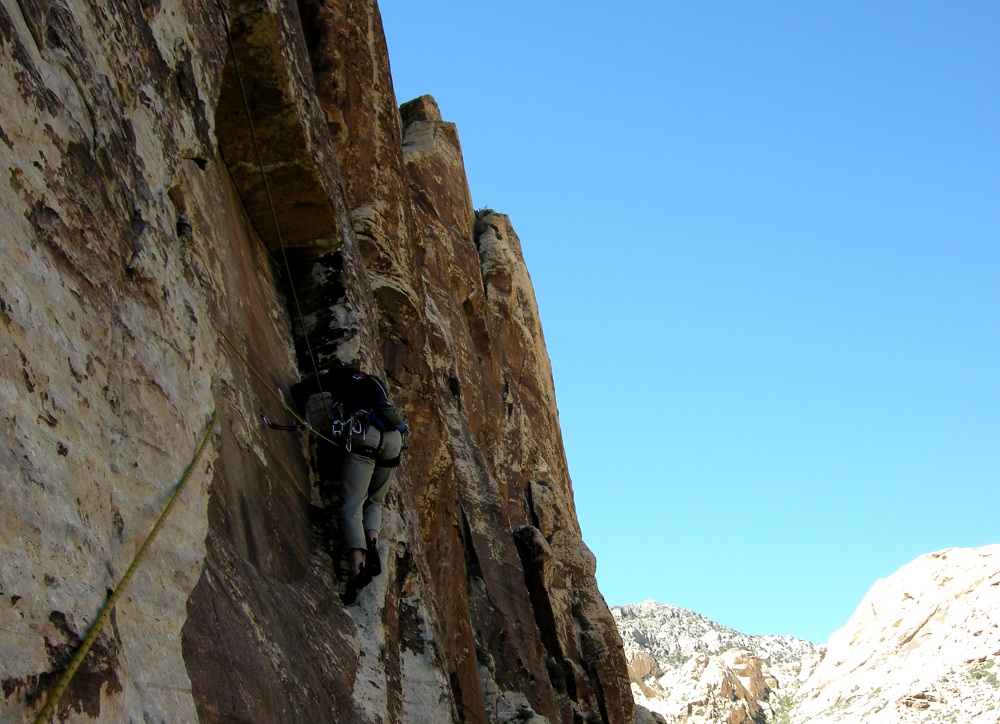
[(343, 427)]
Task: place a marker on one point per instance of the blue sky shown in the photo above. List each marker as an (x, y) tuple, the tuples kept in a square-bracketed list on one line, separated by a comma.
[(765, 242)]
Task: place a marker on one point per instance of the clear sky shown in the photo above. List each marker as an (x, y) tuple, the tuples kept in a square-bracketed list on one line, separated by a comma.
[(765, 242)]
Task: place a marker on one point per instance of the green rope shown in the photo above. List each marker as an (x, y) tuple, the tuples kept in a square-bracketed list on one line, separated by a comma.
[(109, 605)]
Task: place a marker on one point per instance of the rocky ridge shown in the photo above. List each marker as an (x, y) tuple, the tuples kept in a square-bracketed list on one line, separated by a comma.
[(923, 646), (673, 634), (686, 667)]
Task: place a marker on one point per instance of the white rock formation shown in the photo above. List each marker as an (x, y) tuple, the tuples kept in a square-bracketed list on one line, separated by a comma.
[(688, 668), (922, 647)]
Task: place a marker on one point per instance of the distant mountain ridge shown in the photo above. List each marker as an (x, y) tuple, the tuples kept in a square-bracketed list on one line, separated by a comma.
[(686, 667), (922, 647), (668, 632)]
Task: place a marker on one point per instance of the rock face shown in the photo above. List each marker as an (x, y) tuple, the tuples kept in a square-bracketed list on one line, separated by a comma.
[(203, 204), (922, 647)]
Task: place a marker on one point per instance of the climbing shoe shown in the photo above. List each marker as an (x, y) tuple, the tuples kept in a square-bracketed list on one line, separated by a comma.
[(354, 586), (373, 564)]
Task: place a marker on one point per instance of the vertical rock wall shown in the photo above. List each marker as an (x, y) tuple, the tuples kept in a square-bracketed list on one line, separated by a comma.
[(142, 244), (109, 365)]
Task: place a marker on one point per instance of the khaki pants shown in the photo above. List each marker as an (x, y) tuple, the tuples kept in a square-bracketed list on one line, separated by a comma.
[(364, 484)]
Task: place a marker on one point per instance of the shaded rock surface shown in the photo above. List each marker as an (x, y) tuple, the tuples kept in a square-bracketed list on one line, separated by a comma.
[(202, 204)]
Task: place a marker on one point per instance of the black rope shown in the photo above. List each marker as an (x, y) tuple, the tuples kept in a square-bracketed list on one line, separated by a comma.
[(270, 203)]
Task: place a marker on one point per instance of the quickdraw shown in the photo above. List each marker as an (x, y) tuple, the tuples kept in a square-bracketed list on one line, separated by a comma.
[(359, 422), (275, 426)]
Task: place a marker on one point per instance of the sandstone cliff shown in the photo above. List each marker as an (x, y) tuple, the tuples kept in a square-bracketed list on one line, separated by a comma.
[(204, 203)]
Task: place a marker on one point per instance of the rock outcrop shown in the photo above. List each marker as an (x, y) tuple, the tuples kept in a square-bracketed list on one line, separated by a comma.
[(686, 668), (922, 647), (204, 203)]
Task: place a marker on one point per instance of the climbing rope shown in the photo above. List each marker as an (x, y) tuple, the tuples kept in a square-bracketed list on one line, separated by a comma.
[(270, 201), (109, 605)]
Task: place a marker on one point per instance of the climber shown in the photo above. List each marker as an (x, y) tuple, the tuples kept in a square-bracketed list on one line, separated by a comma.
[(353, 407)]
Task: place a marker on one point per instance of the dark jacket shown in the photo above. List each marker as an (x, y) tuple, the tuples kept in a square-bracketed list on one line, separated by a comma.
[(353, 390)]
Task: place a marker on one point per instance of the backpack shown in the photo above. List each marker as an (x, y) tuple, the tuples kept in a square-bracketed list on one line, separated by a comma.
[(356, 400)]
